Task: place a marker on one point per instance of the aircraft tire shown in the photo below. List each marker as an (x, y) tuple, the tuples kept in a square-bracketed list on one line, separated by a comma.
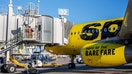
[(71, 66)]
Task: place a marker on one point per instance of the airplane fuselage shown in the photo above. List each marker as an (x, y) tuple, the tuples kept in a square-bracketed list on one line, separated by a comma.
[(86, 33)]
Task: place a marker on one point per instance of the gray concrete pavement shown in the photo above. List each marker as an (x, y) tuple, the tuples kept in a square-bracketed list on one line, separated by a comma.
[(80, 69)]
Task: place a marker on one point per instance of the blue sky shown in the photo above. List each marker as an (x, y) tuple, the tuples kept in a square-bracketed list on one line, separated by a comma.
[(80, 11)]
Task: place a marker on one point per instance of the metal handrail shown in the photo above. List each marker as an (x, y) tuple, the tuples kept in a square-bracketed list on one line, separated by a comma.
[(35, 34), (15, 41)]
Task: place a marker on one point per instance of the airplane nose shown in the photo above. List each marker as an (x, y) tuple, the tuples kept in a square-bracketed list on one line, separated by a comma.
[(128, 54)]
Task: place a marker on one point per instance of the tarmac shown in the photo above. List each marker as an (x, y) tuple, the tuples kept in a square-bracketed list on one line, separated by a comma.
[(80, 69)]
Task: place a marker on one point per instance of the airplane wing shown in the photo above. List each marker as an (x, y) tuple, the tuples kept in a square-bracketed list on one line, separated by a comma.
[(126, 30)]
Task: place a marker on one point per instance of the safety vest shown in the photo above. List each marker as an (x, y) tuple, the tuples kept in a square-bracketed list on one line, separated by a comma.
[(29, 30)]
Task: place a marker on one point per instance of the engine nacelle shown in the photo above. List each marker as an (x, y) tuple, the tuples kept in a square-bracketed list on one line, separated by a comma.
[(106, 54)]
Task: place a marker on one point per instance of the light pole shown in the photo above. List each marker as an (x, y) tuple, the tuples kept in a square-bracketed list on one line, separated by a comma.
[(62, 13), (9, 17), (38, 6)]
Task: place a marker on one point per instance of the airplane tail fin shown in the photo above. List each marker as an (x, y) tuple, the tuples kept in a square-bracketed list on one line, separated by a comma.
[(126, 30)]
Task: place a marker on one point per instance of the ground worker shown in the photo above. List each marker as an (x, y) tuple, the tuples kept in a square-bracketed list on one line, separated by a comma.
[(29, 32)]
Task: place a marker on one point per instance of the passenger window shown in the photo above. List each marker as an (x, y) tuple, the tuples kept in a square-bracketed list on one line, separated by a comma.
[(71, 33), (78, 32), (74, 33)]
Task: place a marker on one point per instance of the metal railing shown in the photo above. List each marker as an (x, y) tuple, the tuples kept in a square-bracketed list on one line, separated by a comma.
[(15, 41), (34, 35)]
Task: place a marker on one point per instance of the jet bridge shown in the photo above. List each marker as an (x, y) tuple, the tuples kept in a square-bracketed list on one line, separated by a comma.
[(47, 30), (30, 28)]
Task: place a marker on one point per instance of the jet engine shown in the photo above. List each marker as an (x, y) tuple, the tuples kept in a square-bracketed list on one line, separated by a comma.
[(106, 54)]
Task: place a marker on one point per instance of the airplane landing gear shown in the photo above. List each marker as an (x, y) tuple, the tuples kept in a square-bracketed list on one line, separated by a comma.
[(72, 64), (8, 68)]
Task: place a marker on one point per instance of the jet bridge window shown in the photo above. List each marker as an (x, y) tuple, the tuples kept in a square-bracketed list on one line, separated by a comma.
[(39, 27)]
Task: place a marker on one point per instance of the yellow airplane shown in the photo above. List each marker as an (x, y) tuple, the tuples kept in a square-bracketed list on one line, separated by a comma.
[(114, 51), (107, 50), (85, 34)]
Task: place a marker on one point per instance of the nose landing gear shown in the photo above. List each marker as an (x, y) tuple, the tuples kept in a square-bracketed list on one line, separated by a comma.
[(72, 64)]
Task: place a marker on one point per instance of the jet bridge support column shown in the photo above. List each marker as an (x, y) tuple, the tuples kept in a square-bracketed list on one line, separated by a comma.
[(9, 17)]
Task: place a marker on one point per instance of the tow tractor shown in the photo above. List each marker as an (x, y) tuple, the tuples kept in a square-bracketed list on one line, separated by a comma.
[(37, 60)]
